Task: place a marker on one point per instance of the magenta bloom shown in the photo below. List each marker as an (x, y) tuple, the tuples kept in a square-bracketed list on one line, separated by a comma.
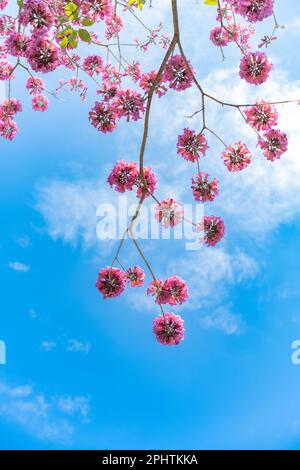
[(172, 291), (114, 26), (177, 73), (97, 9), (9, 108), (135, 276), (255, 68), (37, 14), (3, 4), (151, 180), (8, 129), (219, 36), (17, 44), (236, 158), (111, 282), (213, 229), (123, 176), (6, 70), (43, 55), (147, 81), (262, 116), (92, 64), (35, 85), (255, 10), (203, 189), (39, 103), (169, 213), (168, 329), (274, 144), (129, 104), (103, 117), (191, 145), (7, 25)]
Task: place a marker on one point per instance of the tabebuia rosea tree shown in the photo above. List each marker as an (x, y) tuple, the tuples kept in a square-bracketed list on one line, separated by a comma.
[(40, 36)]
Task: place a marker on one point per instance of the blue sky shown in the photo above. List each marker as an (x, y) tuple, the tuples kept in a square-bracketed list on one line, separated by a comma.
[(86, 373)]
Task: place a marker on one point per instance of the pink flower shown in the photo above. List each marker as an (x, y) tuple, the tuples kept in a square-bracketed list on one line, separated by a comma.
[(37, 14), (191, 145), (109, 91), (7, 25), (103, 117), (114, 26), (8, 129), (3, 4), (111, 282), (255, 10), (151, 180), (17, 44), (219, 36), (169, 213), (9, 108), (203, 189), (6, 70), (43, 55), (39, 103), (172, 291), (123, 176), (133, 71), (177, 73), (273, 144), (262, 116), (236, 158), (35, 85), (168, 329), (135, 276), (92, 64), (255, 67), (97, 9), (129, 104), (175, 291), (213, 229), (147, 82)]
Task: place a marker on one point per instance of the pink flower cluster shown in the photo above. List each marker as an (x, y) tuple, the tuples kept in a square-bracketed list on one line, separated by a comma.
[(172, 291), (125, 176), (111, 281)]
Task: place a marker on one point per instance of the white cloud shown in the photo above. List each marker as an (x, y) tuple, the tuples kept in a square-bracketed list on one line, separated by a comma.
[(74, 345), (48, 345), (18, 266), (74, 405), (23, 241), (224, 320), (41, 416)]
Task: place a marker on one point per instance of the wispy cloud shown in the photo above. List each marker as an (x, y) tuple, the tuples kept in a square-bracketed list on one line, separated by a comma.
[(74, 345), (48, 345), (18, 266), (46, 418)]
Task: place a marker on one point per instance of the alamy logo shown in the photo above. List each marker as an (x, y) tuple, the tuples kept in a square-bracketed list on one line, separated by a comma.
[(2, 353)]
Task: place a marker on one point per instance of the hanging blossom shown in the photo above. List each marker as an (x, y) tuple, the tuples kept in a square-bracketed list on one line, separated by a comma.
[(274, 143), (254, 10), (43, 55), (17, 44), (171, 291), (111, 282), (8, 129), (123, 176), (35, 85), (151, 182), (255, 68), (130, 104), (204, 190), (177, 74), (37, 14), (135, 276), (39, 103), (93, 64), (7, 25), (262, 116), (212, 228), (97, 9), (147, 81), (169, 213), (103, 117), (237, 157), (191, 145), (169, 329), (9, 108), (114, 26)]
